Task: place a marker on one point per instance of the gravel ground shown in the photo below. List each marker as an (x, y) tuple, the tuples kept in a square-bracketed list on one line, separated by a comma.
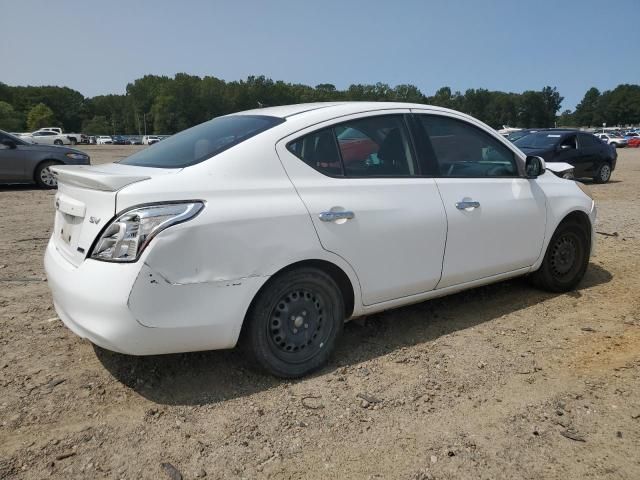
[(499, 382)]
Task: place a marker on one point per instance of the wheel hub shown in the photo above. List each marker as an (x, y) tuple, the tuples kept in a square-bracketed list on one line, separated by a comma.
[(296, 324), (564, 256)]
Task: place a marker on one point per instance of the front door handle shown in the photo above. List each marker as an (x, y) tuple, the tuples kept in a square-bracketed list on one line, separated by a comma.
[(467, 204), (333, 216)]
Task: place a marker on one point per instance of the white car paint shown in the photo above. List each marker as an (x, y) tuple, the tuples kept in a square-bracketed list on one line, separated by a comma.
[(193, 284), (46, 137), (104, 140)]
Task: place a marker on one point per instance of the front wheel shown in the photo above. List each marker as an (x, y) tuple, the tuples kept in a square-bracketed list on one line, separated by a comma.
[(57, 142), (566, 259), (44, 177), (73, 141), (294, 323), (603, 175)]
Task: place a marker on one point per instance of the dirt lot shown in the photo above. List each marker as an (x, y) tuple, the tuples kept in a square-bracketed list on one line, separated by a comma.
[(500, 382)]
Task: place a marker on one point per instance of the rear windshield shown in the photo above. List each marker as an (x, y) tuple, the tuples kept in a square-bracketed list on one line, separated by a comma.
[(538, 140), (201, 142)]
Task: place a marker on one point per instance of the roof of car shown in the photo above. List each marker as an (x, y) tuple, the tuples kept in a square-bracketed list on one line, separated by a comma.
[(286, 111)]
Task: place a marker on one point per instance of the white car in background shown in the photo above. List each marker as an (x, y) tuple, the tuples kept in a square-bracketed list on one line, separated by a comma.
[(46, 137), (613, 140), (104, 140), (150, 139), (272, 227)]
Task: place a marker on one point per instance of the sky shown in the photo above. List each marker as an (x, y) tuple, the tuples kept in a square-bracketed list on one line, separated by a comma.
[(98, 47)]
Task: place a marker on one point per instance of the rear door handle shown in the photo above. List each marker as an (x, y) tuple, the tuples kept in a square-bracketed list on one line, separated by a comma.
[(333, 216), (467, 204)]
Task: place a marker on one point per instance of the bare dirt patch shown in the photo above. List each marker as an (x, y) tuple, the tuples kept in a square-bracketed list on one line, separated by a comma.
[(500, 382)]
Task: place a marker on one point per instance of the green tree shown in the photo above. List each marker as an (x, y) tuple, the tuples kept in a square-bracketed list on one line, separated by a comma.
[(98, 125), (40, 116), (10, 120), (587, 113)]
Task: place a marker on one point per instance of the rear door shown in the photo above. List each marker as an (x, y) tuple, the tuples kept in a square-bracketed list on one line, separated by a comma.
[(591, 149), (360, 182), (496, 218), (569, 151)]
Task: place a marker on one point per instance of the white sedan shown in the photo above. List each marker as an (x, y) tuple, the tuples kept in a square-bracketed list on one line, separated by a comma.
[(104, 140), (272, 227), (47, 137)]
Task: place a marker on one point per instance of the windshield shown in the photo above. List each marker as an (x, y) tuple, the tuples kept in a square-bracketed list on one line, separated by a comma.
[(538, 140), (201, 142)]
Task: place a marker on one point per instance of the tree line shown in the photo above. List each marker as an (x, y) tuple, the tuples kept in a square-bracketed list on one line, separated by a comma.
[(162, 105)]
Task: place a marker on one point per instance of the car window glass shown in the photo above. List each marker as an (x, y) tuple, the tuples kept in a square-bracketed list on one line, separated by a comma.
[(375, 147), (463, 150), (587, 141), (318, 150), (569, 142), (202, 142)]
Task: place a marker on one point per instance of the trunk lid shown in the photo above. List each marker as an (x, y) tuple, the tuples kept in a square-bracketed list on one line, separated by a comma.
[(86, 202)]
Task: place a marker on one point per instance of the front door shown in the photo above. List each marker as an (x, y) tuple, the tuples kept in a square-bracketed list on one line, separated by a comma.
[(360, 182), (496, 218)]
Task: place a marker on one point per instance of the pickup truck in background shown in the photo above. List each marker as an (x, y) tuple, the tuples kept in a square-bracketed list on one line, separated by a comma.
[(74, 138)]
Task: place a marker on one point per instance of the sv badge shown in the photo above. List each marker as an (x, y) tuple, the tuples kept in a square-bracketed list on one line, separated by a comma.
[(94, 220)]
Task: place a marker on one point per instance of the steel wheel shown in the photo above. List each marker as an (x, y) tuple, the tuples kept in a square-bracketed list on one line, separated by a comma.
[(294, 323), (296, 329), (566, 259)]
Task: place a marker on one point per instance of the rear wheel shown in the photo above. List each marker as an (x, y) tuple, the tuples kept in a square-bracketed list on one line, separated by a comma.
[(294, 323), (603, 174), (44, 177), (73, 141), (566, 259)]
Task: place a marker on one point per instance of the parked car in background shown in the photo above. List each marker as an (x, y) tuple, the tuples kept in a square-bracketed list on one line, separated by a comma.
[(119, 140), (92, 140), (74, 138), (615, 140), (47, 137), (135, 140), (150, 139), (24, 162), (104, 140), (589, 156), (255, 226), (633, 142)]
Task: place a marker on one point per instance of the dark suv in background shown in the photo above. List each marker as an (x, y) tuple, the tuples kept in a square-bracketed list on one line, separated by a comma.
[(589, 155)]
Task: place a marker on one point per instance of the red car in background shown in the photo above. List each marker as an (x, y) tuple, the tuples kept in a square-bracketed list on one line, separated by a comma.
[(633, 142)]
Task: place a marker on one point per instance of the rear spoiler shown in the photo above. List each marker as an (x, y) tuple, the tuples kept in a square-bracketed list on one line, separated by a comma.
[(92, 178)]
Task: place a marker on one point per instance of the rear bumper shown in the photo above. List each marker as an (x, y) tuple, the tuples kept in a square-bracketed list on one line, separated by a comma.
[(127, 308)]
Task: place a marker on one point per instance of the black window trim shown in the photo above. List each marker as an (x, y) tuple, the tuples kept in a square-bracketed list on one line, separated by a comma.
[(412, 147), (436, 166)]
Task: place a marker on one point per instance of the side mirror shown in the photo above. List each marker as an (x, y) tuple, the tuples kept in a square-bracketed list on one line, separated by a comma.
[(534, 167), (9, 143)]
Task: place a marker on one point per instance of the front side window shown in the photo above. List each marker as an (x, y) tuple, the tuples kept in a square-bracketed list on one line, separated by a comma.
[(202, 142), (463, 150), (569, 143), (369, 147)]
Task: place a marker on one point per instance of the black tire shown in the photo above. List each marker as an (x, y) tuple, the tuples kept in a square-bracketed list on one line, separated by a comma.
[(43, 176), (57, 142), (614, 144), (603, 175), (294, 323), (73, 141), (566, 259)]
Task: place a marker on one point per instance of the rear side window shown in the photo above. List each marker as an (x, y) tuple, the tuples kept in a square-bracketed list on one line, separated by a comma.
[(319, 150), (463, 150), (202, 142), (369, 147), (587, 141)]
